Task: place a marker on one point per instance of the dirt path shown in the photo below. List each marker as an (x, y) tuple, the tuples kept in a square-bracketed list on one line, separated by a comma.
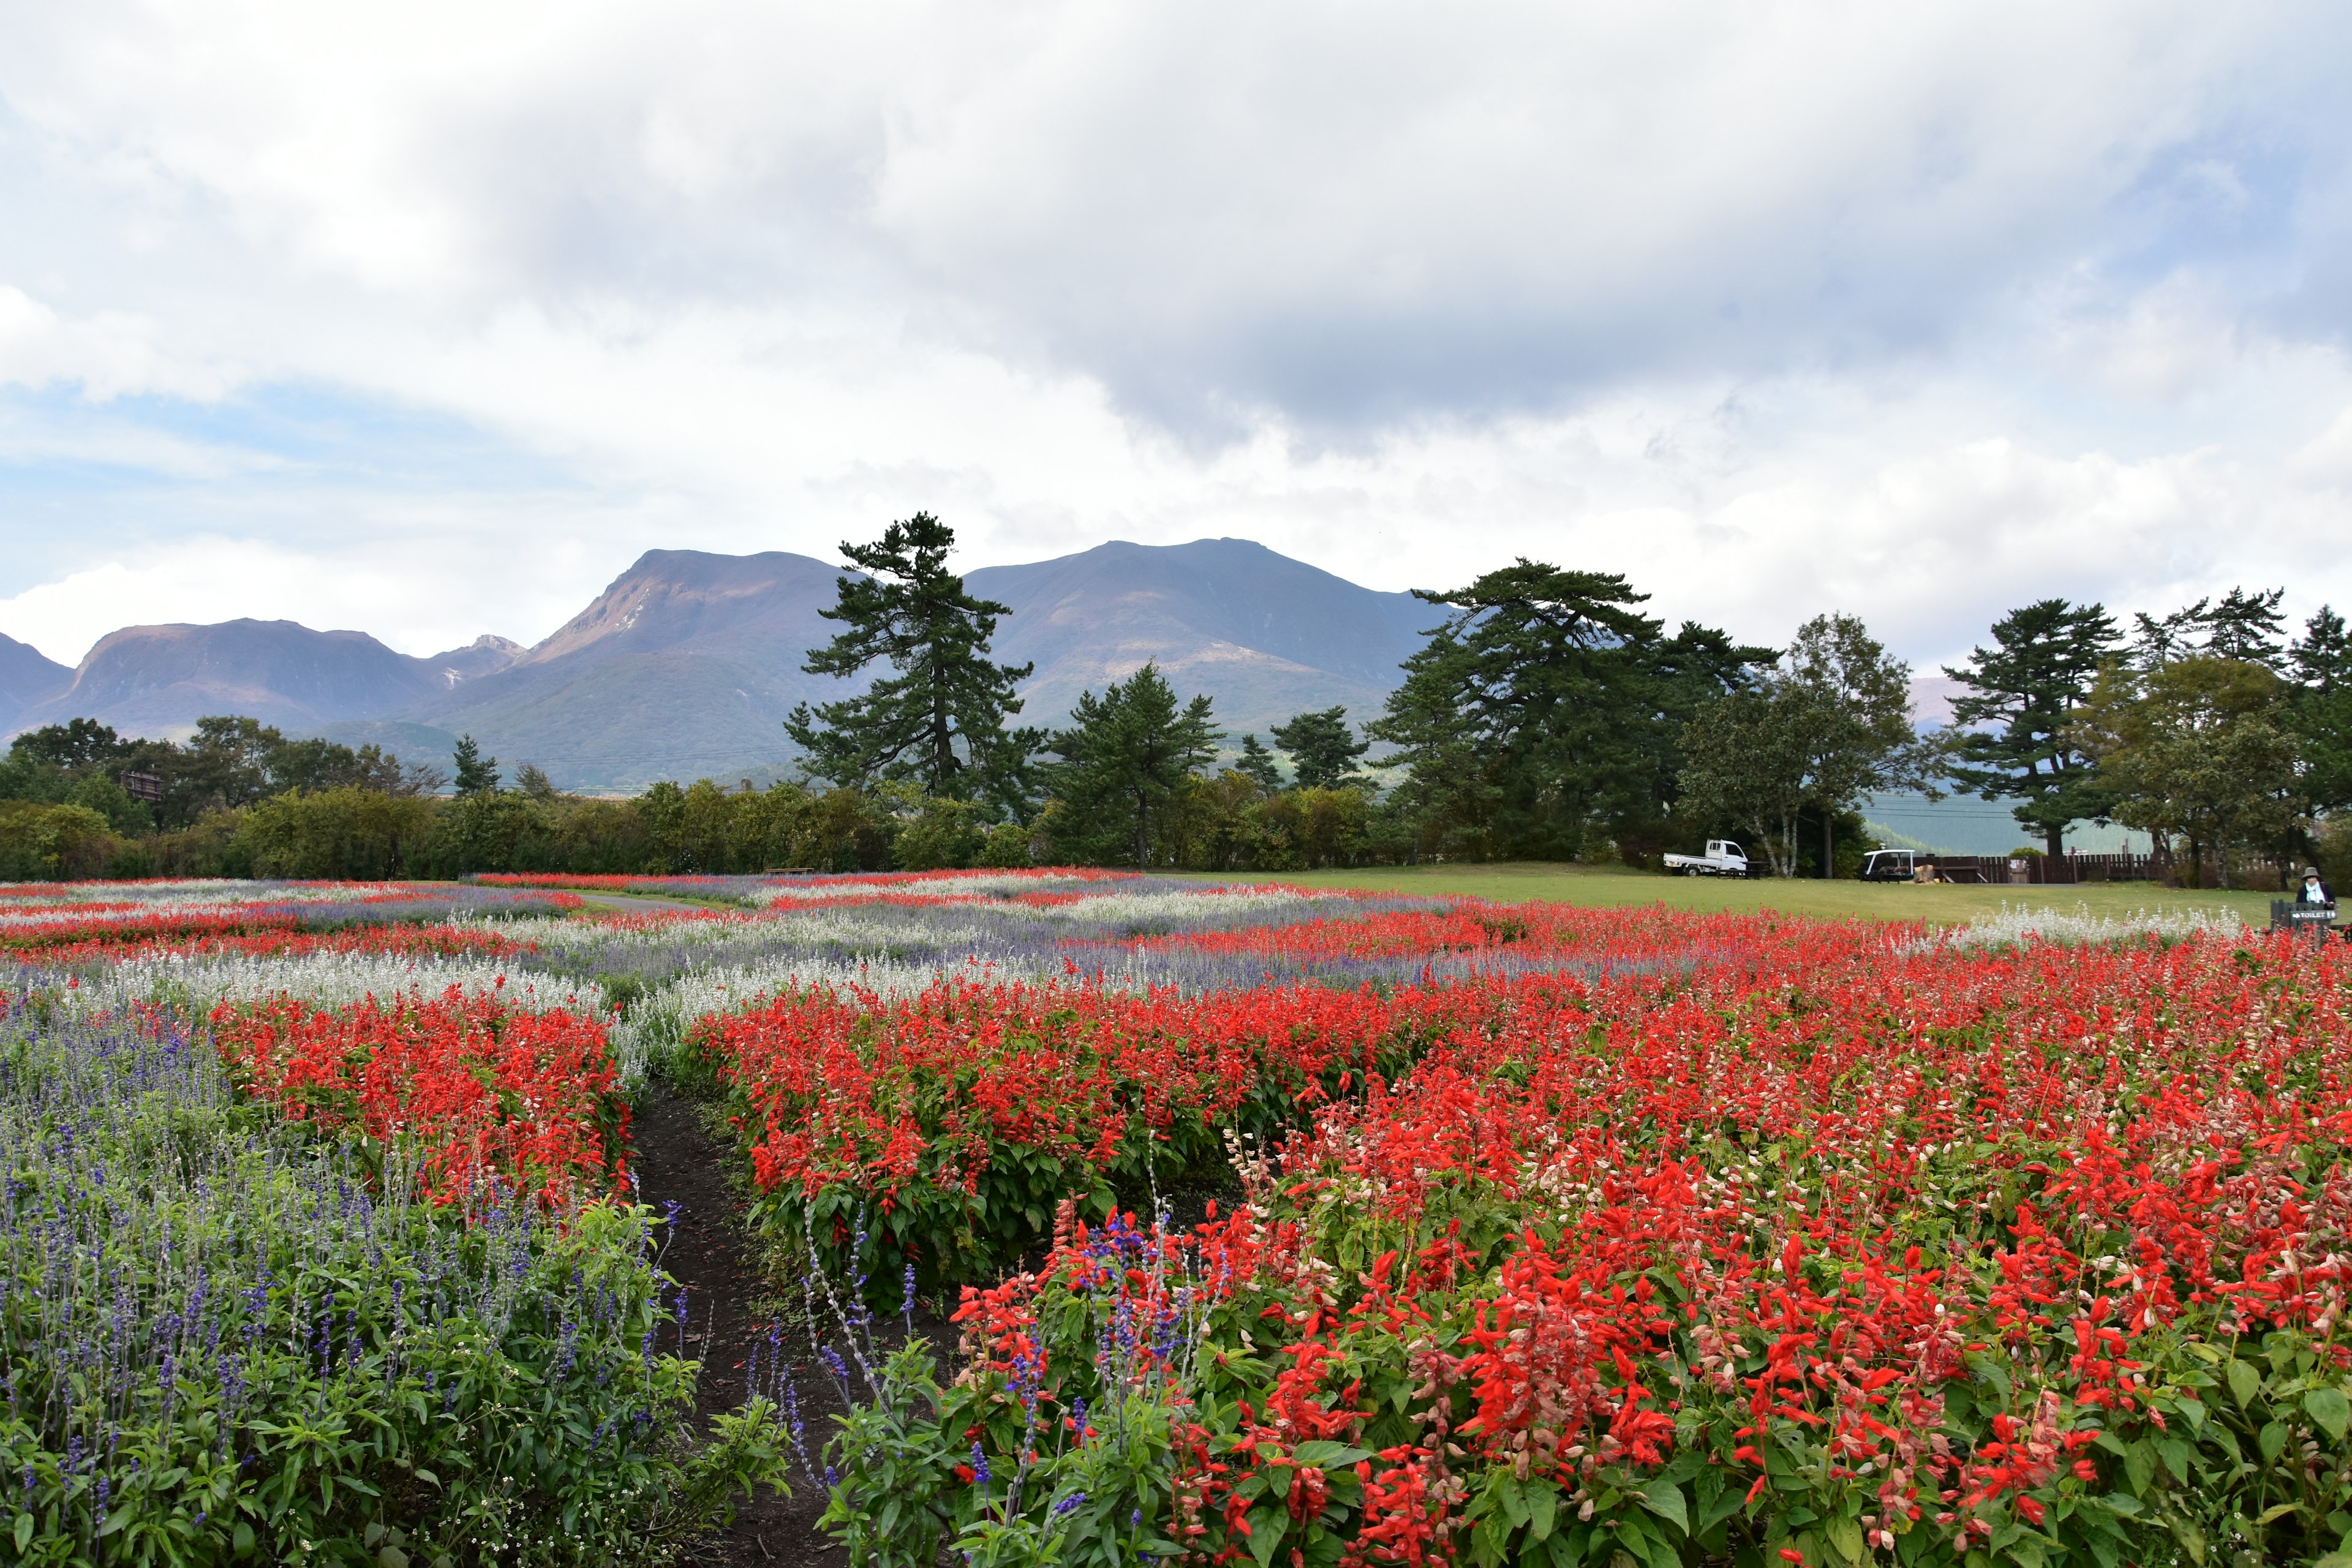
[(709, 1252), (636, 903)]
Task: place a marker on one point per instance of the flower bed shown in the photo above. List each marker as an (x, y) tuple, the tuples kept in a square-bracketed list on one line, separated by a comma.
[(1833, 1243)]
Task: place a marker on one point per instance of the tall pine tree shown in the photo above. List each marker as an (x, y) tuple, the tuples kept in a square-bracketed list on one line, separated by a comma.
[(2013, 725), (1322, 750), (1124, 758), (1547, 706), (938, 720)]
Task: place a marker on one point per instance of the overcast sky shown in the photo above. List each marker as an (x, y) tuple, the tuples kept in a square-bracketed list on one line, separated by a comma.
[(427, 319)]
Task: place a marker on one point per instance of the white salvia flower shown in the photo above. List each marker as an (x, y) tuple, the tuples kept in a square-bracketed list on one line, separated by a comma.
[(2019, 925)]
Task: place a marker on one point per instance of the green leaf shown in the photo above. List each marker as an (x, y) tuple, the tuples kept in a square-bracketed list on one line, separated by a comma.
[(2244, 1382), (1665, 1500), (2139, 1466), (1266, 1534), (1324, 1454), (1543, 1507), (1846, 1537), (2272, 1439), (1513, 1499), (2328, 1407), (244, 1540), (23, 1531)]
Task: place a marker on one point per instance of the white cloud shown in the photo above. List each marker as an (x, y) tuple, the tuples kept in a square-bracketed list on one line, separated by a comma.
[(1908, 310)]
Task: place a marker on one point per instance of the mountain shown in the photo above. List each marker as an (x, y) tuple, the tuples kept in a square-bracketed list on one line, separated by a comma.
[(153, 680), (26, 680), (689, 662), (686, 663), (1264, 635)]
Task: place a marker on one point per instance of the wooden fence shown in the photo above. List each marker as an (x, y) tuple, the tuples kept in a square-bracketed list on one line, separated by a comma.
[(2066, 870)]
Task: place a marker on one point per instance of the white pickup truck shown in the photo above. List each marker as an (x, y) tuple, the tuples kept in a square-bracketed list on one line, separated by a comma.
[(1723, 858)]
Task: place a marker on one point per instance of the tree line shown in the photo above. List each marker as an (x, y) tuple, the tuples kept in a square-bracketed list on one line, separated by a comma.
[(1546, 717)]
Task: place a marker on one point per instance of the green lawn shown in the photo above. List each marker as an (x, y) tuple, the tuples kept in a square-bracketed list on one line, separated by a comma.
[(1603, 885)]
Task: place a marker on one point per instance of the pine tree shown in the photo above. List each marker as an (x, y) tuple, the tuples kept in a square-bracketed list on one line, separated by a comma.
[(1321, 749), (939, 720), (1547, 704), (2015, 725), (2320, 711), (477, 774), (1256, 763), (1124, 758)]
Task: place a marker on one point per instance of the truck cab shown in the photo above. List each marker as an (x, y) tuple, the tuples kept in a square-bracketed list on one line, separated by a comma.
[(1723, 858)]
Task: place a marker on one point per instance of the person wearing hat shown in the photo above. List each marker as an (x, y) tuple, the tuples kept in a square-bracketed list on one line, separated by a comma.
[(2312, 890)]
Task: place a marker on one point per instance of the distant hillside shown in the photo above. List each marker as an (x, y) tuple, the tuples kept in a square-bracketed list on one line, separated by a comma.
[(1264, 635), (28, 679), (687, 664), (156, 680)]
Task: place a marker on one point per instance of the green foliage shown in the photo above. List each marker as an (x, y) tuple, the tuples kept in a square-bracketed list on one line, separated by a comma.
[(2320, 712), (52, 843), (908, 1489), (939, 721), (936, 832), (2199, 746), (477, 774), (1323, 750), (1125, 760), (1256, 765), (348, 833), (1546, 701), (245, 1356), (2015, 721), (1832, 726)]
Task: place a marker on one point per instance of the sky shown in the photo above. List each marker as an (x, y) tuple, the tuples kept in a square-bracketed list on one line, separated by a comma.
[(427, 320)]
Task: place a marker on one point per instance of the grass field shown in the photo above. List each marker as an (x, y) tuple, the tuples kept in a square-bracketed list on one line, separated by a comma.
[(1608, 885)]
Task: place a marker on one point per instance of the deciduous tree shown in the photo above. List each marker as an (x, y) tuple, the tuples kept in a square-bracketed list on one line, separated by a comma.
[(2197, 746), (1831, 725)]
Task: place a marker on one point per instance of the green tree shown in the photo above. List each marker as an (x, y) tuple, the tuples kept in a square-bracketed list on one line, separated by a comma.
[(1123, 760), (2197, 747), (346, 831), (75, 746), (41, 842), (1547, 704), (2247, 628), (2320, 712), (225, 765), (1830, 727), (2012, 726), (477, 774), (1322, 750), (939, 720), (1256, 763), (1744, 766)]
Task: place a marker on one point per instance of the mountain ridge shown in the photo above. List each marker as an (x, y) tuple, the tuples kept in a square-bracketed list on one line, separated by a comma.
[(688, 661)]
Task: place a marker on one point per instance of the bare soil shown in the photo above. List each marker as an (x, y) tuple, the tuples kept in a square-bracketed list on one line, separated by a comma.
[(711, 1253)]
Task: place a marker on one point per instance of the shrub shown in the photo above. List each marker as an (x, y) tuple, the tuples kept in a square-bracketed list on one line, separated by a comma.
[(52, 843), (226, 1343)]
